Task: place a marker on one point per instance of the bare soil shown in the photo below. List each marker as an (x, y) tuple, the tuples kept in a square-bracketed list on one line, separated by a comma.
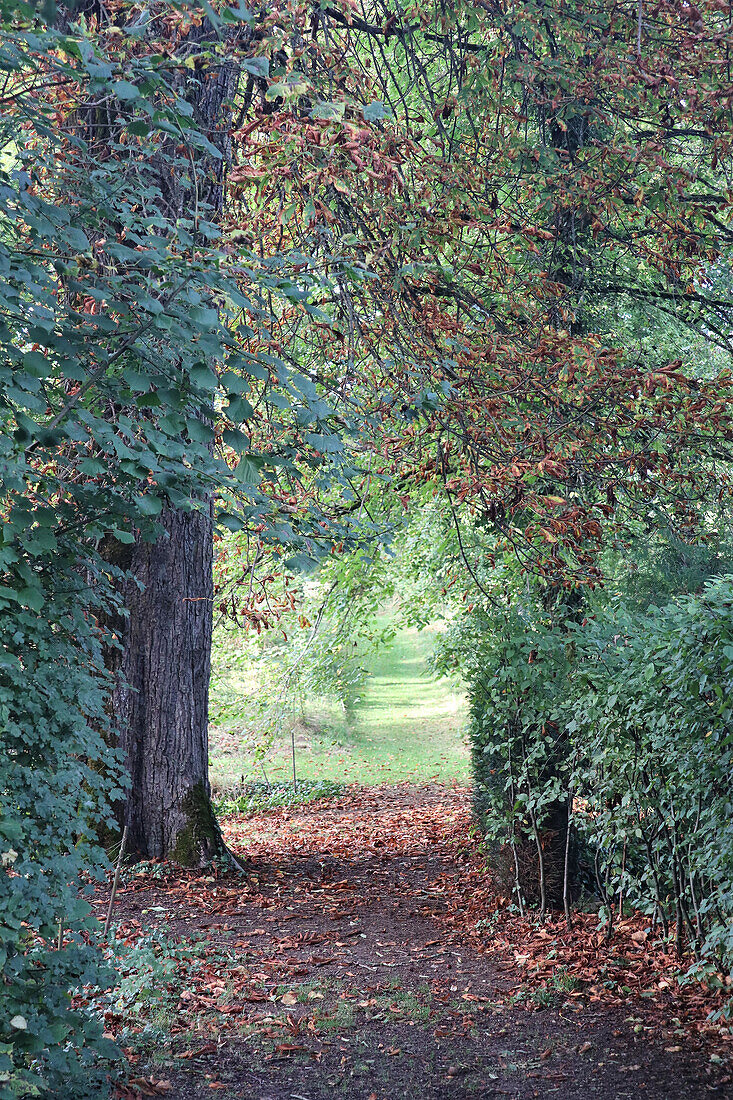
[(338, 967)]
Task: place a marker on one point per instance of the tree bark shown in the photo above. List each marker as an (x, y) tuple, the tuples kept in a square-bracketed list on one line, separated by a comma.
[(161, 699)]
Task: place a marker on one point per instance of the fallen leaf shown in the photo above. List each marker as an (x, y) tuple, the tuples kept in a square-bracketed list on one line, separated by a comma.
[(210, 1048), (148, 1086)]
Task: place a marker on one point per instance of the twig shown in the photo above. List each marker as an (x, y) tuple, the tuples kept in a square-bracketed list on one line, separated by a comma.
[(292, 741), (566, 869), (234, 859), (115, 881)]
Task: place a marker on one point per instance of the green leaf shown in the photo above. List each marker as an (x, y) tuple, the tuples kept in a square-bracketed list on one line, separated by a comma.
[(239, 409), (139, 127), (277, 91), (199, 432), (376, 111), (125, 537), (229, 520), (137, 380), (301, 563), (204, 377), (149, 505), (248, 470), (331, 111), (234, 383), (257, 66), (36, 364), (125, 91), (32, 597), (235, 439)]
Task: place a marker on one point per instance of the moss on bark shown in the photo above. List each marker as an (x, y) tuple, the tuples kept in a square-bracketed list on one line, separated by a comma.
[(200, 839)]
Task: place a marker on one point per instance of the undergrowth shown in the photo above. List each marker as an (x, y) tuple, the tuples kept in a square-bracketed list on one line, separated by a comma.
[(256, 797)]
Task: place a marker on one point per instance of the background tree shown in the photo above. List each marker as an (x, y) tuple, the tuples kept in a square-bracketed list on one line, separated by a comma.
[(535, 166)]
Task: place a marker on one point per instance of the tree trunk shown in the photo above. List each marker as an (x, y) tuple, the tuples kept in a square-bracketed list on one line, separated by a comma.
[(161, 699)]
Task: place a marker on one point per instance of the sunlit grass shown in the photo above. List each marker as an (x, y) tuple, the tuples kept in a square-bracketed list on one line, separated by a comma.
[(407, 726)]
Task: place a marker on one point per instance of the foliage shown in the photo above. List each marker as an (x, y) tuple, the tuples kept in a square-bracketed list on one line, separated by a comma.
[(419, 275), (624, 713), (124, 370), (536, 201), (81, 449), (326, 627), (406, 726), (649, 715), (54, 793), (144, 966), (657, 565), (329, 660), (515, 653)]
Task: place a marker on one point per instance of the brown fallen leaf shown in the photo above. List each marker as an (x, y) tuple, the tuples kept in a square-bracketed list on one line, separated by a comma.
[(210, 1048), (148, 1086)]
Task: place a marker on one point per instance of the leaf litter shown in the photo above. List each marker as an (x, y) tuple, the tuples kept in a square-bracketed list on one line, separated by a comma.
[(366, 952)]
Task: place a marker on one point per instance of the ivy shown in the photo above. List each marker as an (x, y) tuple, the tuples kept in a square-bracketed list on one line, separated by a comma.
[(124, 325)]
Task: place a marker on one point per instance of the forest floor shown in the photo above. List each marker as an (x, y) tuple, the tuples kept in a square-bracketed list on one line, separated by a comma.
[(365, 953)]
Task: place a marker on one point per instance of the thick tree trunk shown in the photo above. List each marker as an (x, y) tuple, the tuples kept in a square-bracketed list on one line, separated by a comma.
[(161, 701)]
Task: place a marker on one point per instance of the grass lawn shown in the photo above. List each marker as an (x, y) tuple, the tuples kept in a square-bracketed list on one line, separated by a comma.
[(406, 726)]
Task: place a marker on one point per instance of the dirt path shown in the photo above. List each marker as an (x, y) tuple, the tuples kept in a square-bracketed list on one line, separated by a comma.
[(340, 968)]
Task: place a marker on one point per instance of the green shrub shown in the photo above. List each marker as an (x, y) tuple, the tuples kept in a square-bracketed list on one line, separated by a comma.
[(650, 717), (54, 793), (628, 716)]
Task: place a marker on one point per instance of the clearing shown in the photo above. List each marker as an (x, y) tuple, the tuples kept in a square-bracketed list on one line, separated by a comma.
[(406, 726)]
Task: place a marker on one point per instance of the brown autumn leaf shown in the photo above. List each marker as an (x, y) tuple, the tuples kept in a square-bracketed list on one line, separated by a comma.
[(149, 1086)]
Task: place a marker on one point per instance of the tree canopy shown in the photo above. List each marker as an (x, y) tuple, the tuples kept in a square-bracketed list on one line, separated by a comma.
[(260, 265)]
